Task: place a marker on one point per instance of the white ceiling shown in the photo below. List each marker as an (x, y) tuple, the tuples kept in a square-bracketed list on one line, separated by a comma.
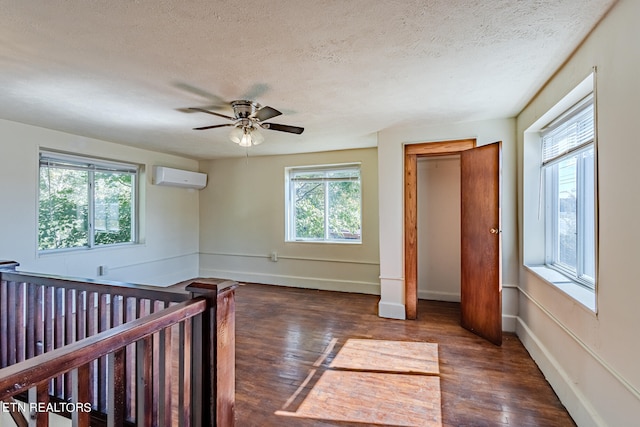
[(123, 70)]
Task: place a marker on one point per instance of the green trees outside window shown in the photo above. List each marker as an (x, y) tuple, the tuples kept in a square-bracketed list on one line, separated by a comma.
[(84, 202), (325, 204)]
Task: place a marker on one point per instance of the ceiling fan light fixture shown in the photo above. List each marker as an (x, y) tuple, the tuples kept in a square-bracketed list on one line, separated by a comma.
[(245, 141), (256, 137), (246, 136), (248, 118), (236, 135)]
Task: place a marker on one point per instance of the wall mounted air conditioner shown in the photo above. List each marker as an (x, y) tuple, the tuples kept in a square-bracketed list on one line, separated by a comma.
[(179, 178)]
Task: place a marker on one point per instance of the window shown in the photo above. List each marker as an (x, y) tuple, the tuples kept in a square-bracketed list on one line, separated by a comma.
[(84, 202), (569, 186), (324, 203)]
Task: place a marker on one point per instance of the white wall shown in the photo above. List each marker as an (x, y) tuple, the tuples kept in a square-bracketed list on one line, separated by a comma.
[(591, 359), (439, 237), (169, 226), (242, 215), (390, 175)]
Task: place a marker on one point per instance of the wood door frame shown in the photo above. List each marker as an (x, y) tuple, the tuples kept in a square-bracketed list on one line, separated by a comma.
[(411, 154)]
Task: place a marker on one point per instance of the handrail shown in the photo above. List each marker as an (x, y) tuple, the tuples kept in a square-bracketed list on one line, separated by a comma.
[(91, 285), (40, 313), (31, 372)]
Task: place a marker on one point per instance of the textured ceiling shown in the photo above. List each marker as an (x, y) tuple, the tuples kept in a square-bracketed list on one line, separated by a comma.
[(123, 70)]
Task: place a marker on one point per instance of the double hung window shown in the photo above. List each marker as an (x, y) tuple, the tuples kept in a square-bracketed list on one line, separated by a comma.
[(85, 202), (568, 161), (324, 203)]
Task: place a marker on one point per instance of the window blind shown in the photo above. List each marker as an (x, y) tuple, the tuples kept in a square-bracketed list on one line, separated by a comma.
[(572, 131), (68, 161), (338, 173)]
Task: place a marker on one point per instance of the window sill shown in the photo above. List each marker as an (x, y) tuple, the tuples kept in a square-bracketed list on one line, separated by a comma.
[(586, 297), (66, 251), (328, 242)]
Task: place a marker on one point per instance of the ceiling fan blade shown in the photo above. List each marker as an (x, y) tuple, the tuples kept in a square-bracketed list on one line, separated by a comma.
[(266, 113), (283, 128), (202, 110), (256, 91), (214, 126), (190, 110), (217, 102)]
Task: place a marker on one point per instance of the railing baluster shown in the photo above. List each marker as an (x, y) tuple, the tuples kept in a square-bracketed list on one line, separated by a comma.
[(11, 309), (69, 332), (165, 377), (158, 358), (198, 380), (184, 375), (42, 393), (80, 396), (58, 335), (81, 315), (142, 310), (92, 315), (31, 328), (116, 310), (144, 356), (117, 388), (48, 319), (103, 325), (4, 324), (21, 308), (91, 329), (39, 319), (48, 322), (181, 371), (130, 363)]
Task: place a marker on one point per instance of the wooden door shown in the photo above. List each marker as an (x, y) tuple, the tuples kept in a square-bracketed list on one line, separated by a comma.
[(481, 281)]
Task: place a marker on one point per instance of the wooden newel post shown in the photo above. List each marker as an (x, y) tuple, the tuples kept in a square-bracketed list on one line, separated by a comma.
[(214, 390)]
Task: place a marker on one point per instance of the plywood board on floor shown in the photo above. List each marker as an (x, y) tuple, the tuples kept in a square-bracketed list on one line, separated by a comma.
[(388, 356)]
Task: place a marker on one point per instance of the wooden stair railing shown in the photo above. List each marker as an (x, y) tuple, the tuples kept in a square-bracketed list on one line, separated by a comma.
[(42, 316), (37, 371)]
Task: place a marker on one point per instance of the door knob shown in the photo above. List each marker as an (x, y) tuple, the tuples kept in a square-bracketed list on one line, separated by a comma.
[(494, 231)]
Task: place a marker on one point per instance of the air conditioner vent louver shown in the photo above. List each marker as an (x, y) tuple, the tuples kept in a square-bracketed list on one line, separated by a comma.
[(179, 178)]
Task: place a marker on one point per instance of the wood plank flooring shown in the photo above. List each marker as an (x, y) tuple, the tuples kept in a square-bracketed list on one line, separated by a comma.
[(286, 338)]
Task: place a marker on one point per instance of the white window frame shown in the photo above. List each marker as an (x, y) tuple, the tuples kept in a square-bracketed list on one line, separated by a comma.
[(290, 209), (581, 115), (533, 195), (91, 166)]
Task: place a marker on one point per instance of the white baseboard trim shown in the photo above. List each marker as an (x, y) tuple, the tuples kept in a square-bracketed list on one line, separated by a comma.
[(391, 310), (509, 323), (571, 397), (295, 281)]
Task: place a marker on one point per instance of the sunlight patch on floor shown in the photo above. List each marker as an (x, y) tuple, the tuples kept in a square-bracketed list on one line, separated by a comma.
[(373, 398), (373, 382)]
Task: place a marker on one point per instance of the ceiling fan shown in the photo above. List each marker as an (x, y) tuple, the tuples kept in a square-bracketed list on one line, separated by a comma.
[(248, 117)]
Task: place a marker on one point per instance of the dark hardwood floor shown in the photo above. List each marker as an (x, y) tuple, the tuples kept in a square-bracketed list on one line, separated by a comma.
[(286, 337)]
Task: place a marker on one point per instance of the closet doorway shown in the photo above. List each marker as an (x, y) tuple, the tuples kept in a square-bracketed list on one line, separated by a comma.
[(480, 248), (439, 228)]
